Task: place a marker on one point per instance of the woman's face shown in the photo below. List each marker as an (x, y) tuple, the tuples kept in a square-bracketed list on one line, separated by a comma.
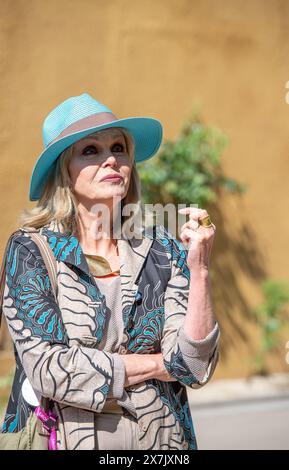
[(94, 157)]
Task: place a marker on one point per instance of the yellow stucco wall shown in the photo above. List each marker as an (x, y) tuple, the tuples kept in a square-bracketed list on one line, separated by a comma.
[(160, 58)]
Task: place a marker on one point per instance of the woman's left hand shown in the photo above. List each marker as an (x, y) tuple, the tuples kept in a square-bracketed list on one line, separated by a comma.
[(197, 238)]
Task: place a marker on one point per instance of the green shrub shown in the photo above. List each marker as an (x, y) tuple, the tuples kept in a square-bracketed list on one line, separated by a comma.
[(187, 170), (270, 316)]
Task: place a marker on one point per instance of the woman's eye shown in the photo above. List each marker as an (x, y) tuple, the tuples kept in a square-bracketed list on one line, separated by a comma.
[(118, 147), (90, 149)]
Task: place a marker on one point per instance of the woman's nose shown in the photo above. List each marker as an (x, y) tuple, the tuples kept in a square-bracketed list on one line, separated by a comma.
[(109, 158)]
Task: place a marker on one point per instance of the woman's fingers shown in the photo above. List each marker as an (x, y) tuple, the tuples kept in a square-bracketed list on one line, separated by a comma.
[(191, 224), (194, 212), (189, 236), (194, 223)]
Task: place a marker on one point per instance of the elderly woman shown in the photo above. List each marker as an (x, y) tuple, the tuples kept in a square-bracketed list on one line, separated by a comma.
[(132, 324)]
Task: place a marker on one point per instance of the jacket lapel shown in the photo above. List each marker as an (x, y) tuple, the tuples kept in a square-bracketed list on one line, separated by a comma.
[(132, 252), (132, 255)]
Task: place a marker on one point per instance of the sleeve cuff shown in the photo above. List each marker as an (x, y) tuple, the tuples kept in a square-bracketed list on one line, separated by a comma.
[(118, 378), (198, 347)]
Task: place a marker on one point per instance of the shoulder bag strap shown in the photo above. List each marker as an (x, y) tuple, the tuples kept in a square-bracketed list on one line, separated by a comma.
[(3, 271), (47, 255), (51, 266)]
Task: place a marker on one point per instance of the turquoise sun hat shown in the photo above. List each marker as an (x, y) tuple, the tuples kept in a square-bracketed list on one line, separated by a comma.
[(78, 117)]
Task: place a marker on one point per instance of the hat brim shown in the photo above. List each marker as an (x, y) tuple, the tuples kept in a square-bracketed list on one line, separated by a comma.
[(147, 133)]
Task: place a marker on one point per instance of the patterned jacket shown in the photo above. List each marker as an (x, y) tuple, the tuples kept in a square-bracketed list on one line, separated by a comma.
[(56, 343)]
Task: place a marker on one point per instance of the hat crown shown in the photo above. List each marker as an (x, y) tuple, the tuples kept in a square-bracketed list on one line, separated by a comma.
[(68, 112)]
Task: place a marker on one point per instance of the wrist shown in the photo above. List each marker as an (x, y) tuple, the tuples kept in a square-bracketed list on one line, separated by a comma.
[(140, 367), (157, 365), (200, 274)]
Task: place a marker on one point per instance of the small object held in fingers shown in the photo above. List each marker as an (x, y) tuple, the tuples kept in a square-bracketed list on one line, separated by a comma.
[(205, 221)]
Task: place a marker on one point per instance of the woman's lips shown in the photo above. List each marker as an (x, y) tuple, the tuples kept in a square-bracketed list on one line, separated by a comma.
[(113, 178)]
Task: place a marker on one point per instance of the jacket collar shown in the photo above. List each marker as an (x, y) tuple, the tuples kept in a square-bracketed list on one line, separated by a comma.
[(132, 253)]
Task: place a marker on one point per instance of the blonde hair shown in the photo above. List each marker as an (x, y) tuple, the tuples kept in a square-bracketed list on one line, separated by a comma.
[(57, 205)]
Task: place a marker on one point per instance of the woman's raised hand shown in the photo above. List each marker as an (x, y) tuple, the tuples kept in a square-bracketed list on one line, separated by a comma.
[(198, 239)]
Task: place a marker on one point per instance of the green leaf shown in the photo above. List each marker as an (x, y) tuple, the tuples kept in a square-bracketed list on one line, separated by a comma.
[(187, 170)]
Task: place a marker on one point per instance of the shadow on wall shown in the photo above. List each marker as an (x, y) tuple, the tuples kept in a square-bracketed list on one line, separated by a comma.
[(236, 255)]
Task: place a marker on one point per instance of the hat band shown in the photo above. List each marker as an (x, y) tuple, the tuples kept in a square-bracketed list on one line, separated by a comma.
[(85, 123)]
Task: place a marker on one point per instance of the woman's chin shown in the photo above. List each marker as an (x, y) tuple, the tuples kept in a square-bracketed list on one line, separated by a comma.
[(117, 192)]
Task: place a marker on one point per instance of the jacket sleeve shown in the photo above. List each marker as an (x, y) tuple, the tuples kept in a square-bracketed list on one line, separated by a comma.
[(74, 375), (191, 362)]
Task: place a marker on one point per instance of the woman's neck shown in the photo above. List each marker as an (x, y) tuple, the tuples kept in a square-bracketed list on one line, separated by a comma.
[(92, 240), (102, 247)]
